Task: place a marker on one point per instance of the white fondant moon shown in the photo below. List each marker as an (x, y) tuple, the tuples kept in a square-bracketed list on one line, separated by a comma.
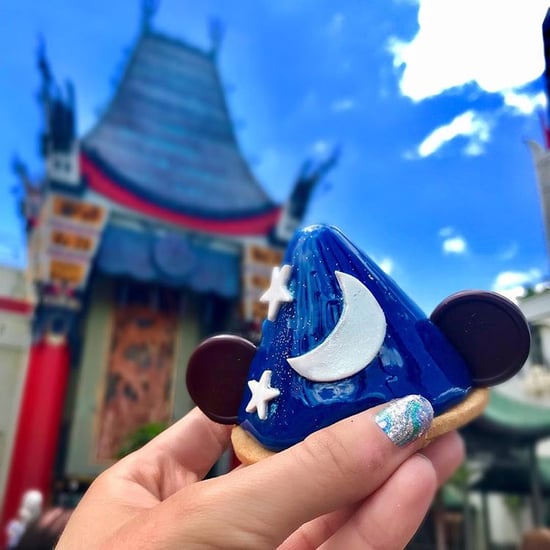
[(354, 341)]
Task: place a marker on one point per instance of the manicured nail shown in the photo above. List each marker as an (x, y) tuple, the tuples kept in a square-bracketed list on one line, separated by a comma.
[(406, 419)]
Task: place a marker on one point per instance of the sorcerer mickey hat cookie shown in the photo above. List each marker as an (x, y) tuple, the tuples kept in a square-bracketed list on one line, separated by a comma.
[(341, 337)]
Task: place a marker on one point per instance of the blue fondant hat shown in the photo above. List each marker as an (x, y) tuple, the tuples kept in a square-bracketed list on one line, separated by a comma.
[(341, 337), (344, 338)]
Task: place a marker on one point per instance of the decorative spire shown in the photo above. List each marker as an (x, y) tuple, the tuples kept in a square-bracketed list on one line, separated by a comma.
[(48, 81), (29, 194), (217, 31), (43, 65), (311, 173), (58, 140), (148, 10)]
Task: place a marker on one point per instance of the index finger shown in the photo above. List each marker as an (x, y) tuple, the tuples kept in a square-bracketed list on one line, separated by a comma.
[(191, 446), (333, 468)]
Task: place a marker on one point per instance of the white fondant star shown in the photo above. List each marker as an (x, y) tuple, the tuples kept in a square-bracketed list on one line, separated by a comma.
[(262, 392), (277, 291)]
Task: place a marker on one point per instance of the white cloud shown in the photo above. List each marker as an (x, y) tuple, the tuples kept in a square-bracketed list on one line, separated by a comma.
[(342, 105), (470, 125), (386, 265), (509, 253), (512, 283), (474, 149), (494, 43), (336, 24), (452, 242), (509, 279), (454, 245), (523, 104), (320, 147)]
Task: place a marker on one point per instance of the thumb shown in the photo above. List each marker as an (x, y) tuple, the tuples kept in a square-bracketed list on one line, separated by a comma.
[(261, 505)]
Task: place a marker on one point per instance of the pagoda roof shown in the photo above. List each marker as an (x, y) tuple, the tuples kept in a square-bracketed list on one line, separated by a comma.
[(508, 414), (509, 421), (166, 139)]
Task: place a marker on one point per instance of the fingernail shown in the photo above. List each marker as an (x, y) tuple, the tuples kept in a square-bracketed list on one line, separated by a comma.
[(406, 419)]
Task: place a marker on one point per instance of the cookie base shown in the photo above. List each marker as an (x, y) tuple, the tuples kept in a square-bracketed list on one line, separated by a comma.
[(249, 451)]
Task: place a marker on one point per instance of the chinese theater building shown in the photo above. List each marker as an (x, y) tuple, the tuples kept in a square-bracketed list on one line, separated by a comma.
[(147, 234)]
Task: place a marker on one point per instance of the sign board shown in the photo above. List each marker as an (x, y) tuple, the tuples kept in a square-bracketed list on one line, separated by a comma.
[(78, 212), (64, 241), (72, 241), (258, 263), (70, 273)]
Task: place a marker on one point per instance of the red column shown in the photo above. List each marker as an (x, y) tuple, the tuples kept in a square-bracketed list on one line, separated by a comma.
[(37, 433)]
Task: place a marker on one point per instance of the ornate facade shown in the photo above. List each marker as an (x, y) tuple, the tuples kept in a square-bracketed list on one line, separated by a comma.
[(146, 234)]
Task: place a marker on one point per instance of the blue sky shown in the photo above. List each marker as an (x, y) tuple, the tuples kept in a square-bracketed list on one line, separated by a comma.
[(430, 101)]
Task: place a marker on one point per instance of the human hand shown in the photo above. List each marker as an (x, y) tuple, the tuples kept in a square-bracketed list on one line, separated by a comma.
[(346, 486)]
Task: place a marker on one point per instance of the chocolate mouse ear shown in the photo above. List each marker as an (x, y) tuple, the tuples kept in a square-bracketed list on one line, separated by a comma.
[(216, 376), (488, 330)]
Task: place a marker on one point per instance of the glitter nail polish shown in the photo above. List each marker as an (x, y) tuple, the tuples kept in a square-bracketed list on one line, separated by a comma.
[(406, 419)]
